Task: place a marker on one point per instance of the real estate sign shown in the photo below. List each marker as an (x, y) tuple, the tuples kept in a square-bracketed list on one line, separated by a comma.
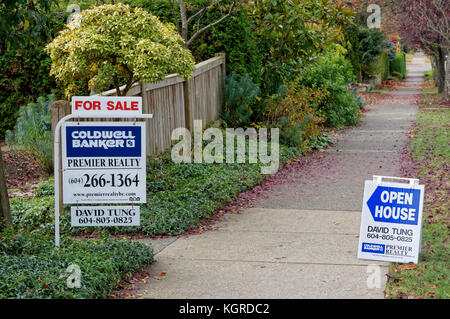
[(103, 162), (391, 222)]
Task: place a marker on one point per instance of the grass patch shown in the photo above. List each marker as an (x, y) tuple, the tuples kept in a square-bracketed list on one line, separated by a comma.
[(429, 147), (30, 266), (427, 91)]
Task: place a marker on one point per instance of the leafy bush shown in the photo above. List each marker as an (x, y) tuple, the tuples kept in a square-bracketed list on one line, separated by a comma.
[(292, 33), (240, 96), (323, 140), (294, 116), (331, 75), (30, 266), (370, 47), (32, 133), (24, 72), (390, 48), (115, 44), (235, 37), (429, 76), (384, 60), (398, 65), (352, 46)]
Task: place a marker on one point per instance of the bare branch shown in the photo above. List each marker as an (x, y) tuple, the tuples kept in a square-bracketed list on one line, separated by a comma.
[(209, 26), (201, 11)]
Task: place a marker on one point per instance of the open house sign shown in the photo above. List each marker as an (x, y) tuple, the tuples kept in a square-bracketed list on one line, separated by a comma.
[(391, 221)]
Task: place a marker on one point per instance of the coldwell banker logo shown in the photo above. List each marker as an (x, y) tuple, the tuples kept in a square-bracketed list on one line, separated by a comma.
[(103, 141)]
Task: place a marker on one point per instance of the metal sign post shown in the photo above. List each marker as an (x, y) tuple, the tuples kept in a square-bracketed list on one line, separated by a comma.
[(57, 141)]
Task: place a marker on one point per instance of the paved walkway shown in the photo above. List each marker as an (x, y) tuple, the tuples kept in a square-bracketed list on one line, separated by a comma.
[(301, 241)]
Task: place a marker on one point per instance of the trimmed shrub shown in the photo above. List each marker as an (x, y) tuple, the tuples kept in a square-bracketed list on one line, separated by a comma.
[(116, 44), (398, 65), (384, 60), (352, 46)]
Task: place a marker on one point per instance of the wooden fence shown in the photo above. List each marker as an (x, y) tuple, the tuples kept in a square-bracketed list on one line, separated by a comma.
[(174, 102)]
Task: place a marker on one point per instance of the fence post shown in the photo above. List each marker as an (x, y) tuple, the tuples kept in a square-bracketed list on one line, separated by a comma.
[(59, 109), (189, 100), (223, 66), (224, 74)]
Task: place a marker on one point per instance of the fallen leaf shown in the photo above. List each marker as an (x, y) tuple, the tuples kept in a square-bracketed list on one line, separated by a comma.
[(162, 273), (408, 267)]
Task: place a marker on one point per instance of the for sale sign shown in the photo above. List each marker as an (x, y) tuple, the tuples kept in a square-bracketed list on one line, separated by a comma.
[(107, 105), (391, 222), (103, 162)]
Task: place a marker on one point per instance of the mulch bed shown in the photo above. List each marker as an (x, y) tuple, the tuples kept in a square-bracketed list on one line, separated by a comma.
[(21, 170)]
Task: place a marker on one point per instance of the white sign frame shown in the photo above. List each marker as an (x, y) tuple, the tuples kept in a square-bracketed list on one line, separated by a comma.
[(386, 239), (56, 157)]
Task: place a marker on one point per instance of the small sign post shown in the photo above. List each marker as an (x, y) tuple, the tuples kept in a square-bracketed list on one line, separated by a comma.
[(391, 220), (102, 162)]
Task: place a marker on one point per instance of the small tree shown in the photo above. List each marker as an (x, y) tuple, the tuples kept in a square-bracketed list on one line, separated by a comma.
[(114, 44), (425, 24)]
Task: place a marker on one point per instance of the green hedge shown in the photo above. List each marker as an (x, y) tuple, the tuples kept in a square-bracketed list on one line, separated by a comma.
[(24, 73), (332, 74), (30, 266), (398, 65), (384, 60)]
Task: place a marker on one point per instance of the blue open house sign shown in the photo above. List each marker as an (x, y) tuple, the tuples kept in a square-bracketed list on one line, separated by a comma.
[(391, 220)]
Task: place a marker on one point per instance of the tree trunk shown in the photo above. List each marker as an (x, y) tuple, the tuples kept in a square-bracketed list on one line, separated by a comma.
[(440, 70), (5, 211), (447, 81)]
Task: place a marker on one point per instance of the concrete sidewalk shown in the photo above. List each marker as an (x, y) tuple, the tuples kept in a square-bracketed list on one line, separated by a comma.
[(301, 241)]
